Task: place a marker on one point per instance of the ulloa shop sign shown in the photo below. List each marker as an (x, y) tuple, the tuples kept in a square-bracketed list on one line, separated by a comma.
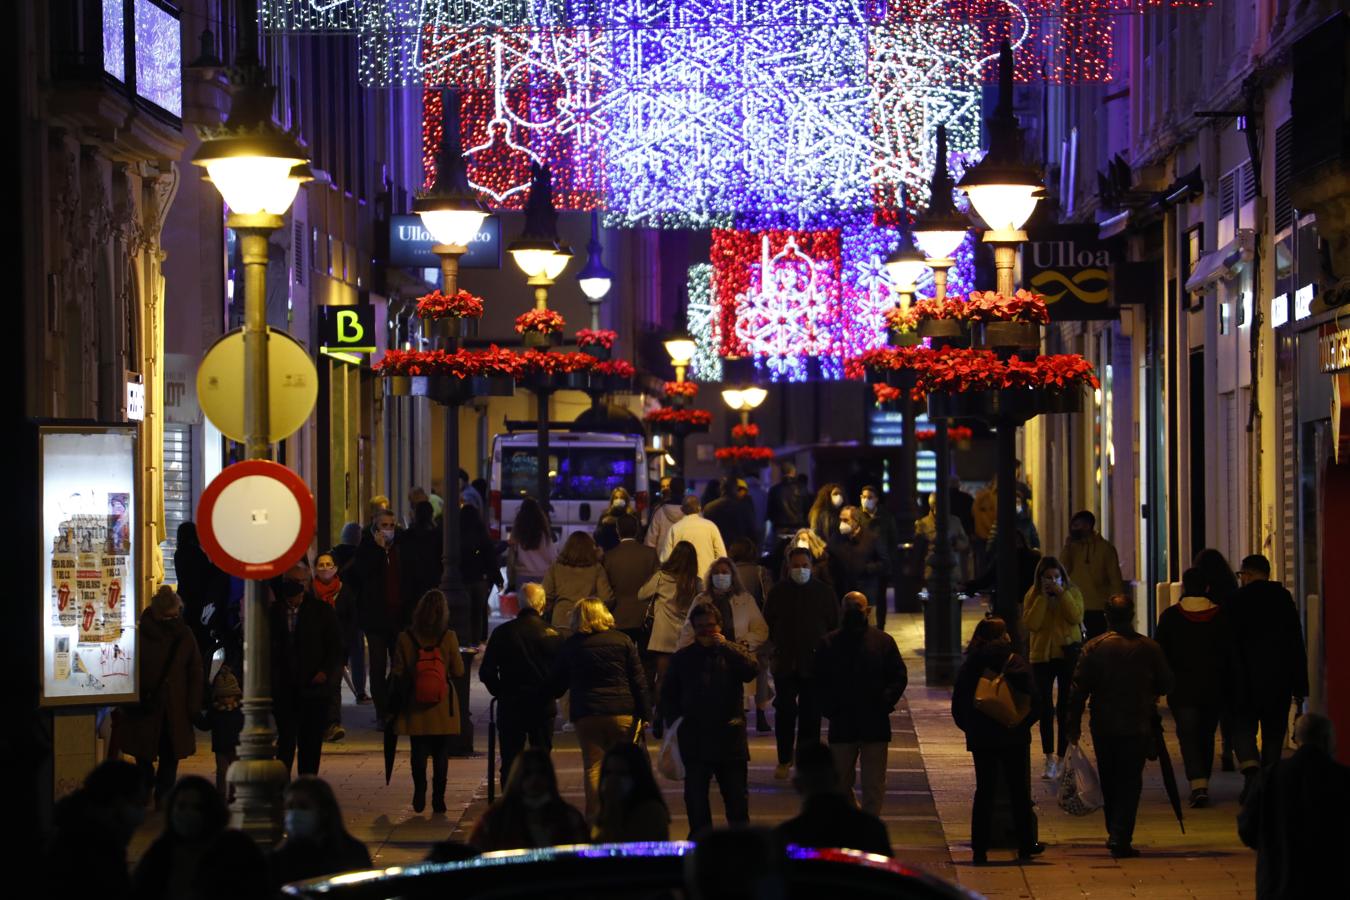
[(1072, 267), (410, 245)]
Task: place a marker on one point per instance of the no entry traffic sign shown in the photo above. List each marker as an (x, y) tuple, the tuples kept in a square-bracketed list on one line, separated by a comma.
[(255, 519)]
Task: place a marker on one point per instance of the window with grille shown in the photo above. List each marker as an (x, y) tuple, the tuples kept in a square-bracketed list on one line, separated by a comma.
[(1227, 195), (1284, 168), (177, 491), (298, 251)]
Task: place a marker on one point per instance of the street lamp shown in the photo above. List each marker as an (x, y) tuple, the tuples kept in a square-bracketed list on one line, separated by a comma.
[(257, 167), (681, 349), (744, 400), (595, 280), (542, 257), (941, 228), (452, 213), (906, 262), (1001, 187)]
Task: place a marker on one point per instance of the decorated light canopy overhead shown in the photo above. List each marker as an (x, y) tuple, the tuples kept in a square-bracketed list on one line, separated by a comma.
[(451, 210)]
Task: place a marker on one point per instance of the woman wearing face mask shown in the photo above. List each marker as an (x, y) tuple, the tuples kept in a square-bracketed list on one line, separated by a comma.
[(823, 567), (329, 588), (824, 515), (631, 806), (607, 529), (194, 815), (531, 813), (316, 843), (1053, 613), (994, 747)]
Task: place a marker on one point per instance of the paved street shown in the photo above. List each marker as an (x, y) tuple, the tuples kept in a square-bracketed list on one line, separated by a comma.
[(927, 813)]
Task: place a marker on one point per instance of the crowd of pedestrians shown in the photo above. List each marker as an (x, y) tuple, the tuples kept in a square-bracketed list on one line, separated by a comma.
[(643, 627)]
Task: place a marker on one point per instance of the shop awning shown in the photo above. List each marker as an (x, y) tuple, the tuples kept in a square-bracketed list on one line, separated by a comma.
[(1223, 263)]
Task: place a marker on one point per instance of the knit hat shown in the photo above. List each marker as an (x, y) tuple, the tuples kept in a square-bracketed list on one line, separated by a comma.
[(166, 601)]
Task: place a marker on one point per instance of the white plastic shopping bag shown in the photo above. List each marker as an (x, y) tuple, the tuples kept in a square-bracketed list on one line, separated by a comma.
[(668, 761), (1080, 791)]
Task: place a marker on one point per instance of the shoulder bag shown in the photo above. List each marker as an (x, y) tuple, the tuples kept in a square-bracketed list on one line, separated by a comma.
[(997, 699)]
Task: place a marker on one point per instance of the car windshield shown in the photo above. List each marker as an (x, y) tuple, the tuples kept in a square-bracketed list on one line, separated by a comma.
[(577, 473)]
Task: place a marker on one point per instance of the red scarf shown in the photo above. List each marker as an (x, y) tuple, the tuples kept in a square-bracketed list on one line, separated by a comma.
[(328, 592)]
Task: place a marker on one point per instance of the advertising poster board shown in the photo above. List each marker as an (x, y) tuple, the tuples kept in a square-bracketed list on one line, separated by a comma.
[(89, 641)]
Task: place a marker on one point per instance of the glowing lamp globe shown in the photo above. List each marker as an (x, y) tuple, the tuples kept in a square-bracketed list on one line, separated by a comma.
[(455, 227), (555, 264), (595, 288), (535, 258), (1004, 207), (938, 244), (681, 350), (752, 397), (904, 267), (252, 184), (732, 397)]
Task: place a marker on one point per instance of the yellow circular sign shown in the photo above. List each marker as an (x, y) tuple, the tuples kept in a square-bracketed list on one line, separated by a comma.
[(292, 389)]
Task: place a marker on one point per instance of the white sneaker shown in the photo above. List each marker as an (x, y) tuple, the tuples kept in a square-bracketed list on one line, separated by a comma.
[(1051, 769)]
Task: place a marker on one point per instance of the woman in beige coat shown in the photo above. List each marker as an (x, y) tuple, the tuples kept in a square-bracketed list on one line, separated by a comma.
[(576, 575), (426, 657)]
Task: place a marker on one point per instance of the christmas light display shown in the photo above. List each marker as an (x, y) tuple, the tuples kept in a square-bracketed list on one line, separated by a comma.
[(702, 317)]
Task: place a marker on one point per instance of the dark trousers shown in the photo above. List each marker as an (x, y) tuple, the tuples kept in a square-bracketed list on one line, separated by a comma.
[(1010, 765), (879, 602), (1047, 673), (1120, 766), (1094, 622), (380, 643), (519, 721), (335, 704), (436, 746), (796, 713), (732, 781), (1195, 734), (1272, 717), (163, 779), (301, 723), (478, 591), (356, 660)]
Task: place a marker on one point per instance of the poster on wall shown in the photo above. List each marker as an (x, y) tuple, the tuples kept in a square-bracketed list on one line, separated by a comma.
[(89, 588)]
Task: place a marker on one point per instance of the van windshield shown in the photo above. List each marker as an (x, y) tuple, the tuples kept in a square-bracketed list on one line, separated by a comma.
[(579, 473)]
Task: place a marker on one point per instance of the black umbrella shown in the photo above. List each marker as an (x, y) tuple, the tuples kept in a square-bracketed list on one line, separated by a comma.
[(390, 747), (1169, 776)]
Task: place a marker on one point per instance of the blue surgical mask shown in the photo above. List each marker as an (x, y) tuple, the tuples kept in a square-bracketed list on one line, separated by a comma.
[(302, 823), (721, 581), (801, 576)]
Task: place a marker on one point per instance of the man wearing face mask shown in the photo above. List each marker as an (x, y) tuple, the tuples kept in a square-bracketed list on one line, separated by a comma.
[(883, 528), (859, 560), (800, 610), (703, 686), (1094, 566), (733, 512), (171, 694), (307, 654), (382, 579)]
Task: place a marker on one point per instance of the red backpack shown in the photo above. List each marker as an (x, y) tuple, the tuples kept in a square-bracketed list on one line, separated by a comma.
[(430, 680)]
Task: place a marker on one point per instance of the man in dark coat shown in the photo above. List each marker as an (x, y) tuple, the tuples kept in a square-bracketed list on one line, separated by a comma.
[(827, 819), (885, 531), (171, 682), (517, 669), (733, 513), (629, 566), (704, 685), (786, 512), (799, 610), (860, 677), (1295, 819), (1124, 674), (307, 655), (1273, 663), (859, 561), (383, 576)]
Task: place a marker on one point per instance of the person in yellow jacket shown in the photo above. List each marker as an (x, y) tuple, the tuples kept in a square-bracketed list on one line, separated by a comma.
[(1053, 614), (1093, 564)]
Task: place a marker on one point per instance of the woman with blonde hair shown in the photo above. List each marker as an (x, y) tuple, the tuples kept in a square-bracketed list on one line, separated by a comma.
[(426, 657), (599, 666), (1053, 614)]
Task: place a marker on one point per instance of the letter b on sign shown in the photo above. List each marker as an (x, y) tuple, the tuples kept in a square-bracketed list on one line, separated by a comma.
[(349, 328)]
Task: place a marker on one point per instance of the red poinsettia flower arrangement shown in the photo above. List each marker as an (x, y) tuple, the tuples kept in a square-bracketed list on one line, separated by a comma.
[(461, 304), (954, 370), (954, 432), (901, 320), (535, 362), (745, 432), (492, 362), (888, 359), (587, 337), (682, 389), (541, 321), (991, 306), (885, 393), (947, 308), (620, 368), (1066, 370), (667, 415), (744, 454)]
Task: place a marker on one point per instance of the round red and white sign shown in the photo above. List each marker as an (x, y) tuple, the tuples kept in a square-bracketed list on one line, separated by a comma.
[(255, 519)]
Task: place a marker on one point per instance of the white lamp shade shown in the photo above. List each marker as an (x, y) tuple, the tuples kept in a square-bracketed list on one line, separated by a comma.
[(555, 264), (733, 397), (681, 350), (1004, 207), (535, 262), (939, 244), (752, 397), (904, 273), (255, 184), (457, 227), (595, 288)]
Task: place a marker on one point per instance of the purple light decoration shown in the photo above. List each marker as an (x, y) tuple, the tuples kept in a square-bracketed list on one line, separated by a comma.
[(114, 39), (159, 56)]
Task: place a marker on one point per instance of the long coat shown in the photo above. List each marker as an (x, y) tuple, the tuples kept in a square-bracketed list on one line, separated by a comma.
[(703, 686), (316, 646), (420, 718), (168, 650)]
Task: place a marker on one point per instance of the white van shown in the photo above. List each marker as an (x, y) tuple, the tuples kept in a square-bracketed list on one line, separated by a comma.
[(585, 468)]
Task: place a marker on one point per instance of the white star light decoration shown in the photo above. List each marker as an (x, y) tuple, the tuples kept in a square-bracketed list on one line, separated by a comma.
[(782, 319), (702, 313)]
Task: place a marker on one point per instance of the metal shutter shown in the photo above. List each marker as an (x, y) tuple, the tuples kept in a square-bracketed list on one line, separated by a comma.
[(1227, 195), (1284, 167), (177, 490), (1288, 482), (298, 251)]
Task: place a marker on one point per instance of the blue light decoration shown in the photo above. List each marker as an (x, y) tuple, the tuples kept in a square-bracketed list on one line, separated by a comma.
[(114, 39), (159, 56), (702, 317)]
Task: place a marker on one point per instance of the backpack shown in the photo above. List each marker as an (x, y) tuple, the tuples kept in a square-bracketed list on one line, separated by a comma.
[(429, 681)]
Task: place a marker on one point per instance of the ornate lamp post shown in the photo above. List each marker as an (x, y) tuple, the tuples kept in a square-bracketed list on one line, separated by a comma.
[(939, 231), (542, 257), (744, 400), (258, 169), (595, 280), (680, 347), (1004, 190)]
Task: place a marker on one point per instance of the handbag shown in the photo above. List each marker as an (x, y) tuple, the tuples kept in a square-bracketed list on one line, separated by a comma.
[(1080, 790), (668, 760), (996, 698)]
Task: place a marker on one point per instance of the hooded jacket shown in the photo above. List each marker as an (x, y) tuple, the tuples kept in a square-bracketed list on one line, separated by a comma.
[(1052, 626)]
